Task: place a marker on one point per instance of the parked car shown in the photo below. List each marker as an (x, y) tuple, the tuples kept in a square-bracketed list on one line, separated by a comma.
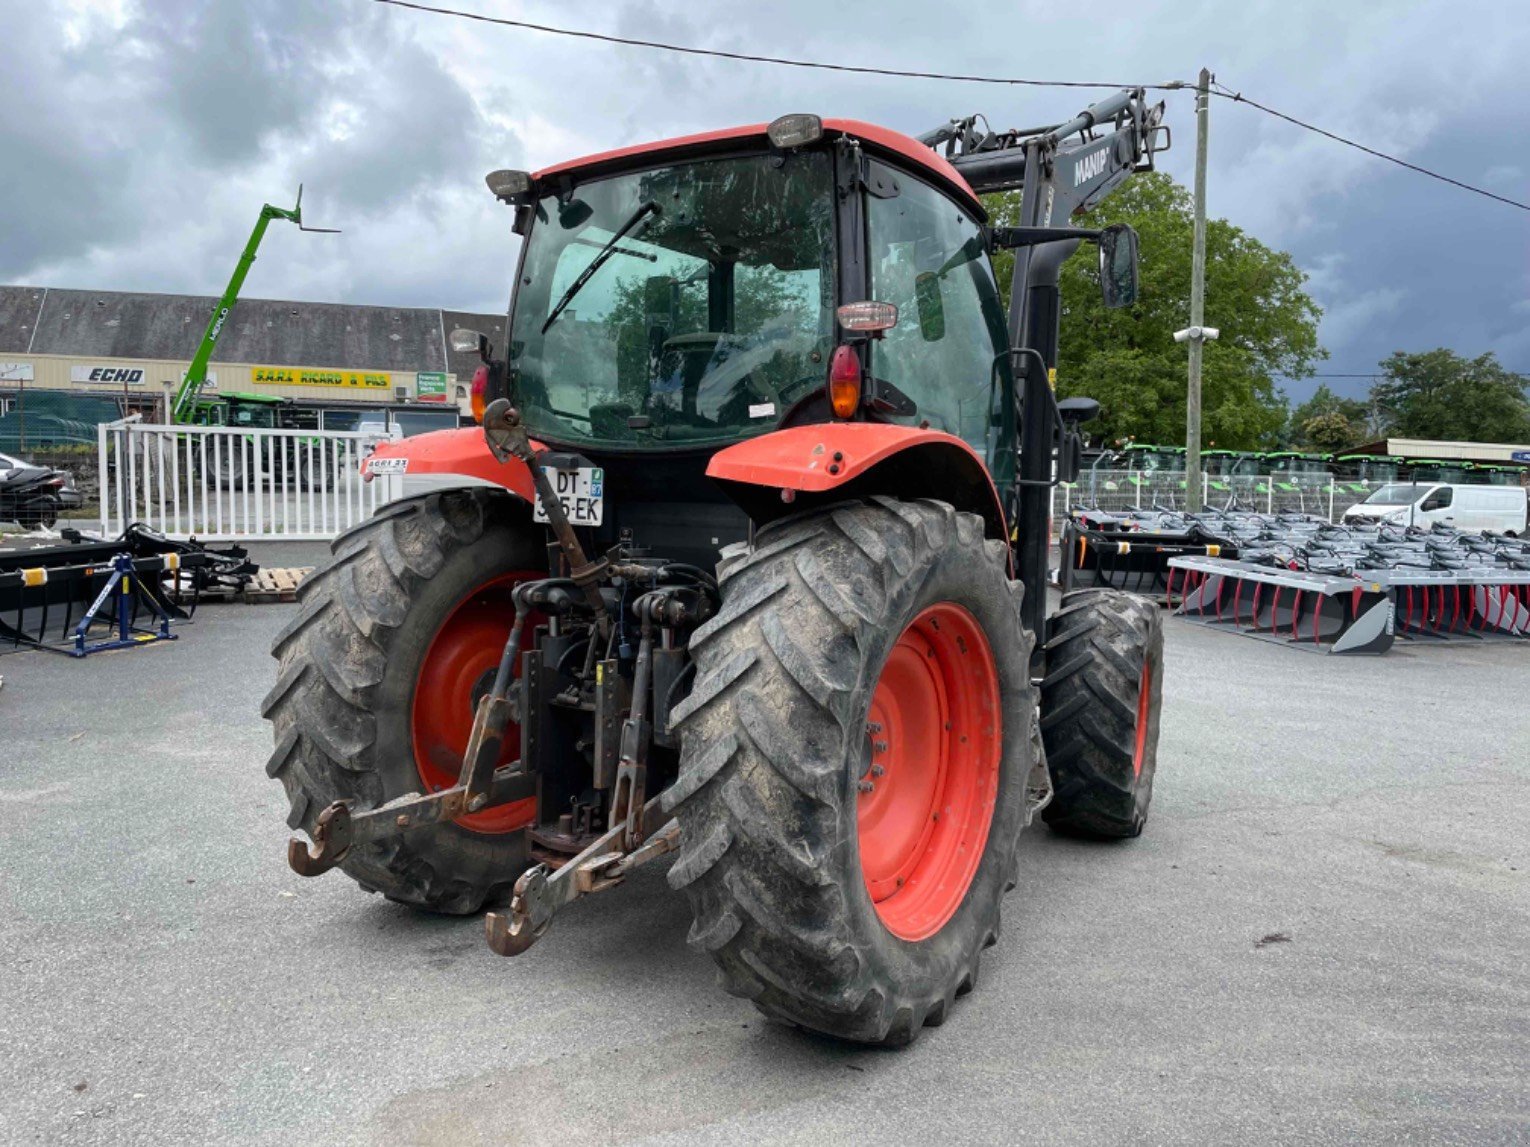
[(1501, 509), (34, 495)]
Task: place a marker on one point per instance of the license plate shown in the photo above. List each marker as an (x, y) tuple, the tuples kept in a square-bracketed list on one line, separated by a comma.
[(581, 491)]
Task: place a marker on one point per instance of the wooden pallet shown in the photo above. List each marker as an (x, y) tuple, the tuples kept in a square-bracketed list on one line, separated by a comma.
[(273, 585)]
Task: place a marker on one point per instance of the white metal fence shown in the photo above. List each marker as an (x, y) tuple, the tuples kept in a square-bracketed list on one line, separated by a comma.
[(224, 483), (1166, 489)]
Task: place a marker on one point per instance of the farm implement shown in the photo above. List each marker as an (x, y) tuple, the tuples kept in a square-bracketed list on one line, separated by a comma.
[(91, 595), (1130, 552), (1349, 589)]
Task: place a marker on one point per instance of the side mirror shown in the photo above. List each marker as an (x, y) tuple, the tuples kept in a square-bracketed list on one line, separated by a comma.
[(574, 214), (1070, 446), (1070, 454), (465, 341), (932, 307), (1076, 410), (1118, 265)]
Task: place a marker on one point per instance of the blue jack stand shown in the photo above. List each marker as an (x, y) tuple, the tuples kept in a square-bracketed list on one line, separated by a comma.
[(128, 636)]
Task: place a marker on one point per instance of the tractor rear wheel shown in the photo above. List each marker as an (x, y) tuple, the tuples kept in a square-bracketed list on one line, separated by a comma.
[(379, 674), (1100, 701), (854, 760)]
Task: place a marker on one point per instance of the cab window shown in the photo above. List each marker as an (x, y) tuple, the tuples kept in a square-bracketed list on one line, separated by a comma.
[(928, 257)]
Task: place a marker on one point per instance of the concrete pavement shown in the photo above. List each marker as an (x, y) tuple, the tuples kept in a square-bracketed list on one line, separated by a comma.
[(1321, 937)]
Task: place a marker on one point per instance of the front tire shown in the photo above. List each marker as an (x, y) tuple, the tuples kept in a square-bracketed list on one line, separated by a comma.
[(844, 848), (377, 680), (1100, 703)]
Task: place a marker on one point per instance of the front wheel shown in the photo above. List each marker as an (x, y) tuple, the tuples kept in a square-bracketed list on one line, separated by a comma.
[(854, 760), (1100, 701)]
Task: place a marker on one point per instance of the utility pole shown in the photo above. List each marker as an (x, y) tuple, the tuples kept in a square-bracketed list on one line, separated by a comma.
[(1195, 495)]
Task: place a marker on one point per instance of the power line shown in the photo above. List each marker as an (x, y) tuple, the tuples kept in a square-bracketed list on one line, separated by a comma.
[(1239, 98), (899, 73), (781, 61)]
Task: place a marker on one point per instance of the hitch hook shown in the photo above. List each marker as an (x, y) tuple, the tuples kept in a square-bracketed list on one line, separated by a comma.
[(331, 841)]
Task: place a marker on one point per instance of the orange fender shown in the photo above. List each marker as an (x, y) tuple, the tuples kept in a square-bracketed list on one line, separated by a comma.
[(461, 451), (790, 470)]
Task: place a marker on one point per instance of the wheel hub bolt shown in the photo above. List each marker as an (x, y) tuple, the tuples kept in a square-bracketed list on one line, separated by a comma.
[(879, 746), (877, 770), (865, 786)]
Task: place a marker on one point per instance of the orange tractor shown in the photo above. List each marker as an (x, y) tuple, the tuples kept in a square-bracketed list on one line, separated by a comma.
[(746, 564)]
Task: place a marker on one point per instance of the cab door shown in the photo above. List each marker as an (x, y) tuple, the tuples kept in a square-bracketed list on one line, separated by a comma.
[(947, 353)]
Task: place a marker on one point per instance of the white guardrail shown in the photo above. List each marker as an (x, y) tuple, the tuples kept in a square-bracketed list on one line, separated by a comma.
[(226, 483)]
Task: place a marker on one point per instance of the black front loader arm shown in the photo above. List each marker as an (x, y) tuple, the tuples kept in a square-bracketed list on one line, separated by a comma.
[(1060, 171)]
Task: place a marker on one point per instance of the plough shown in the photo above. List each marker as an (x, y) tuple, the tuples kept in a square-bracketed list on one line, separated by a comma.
[(88, 585), (1342, 589)]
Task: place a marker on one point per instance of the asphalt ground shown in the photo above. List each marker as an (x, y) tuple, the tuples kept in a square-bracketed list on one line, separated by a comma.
[(1321, 937)]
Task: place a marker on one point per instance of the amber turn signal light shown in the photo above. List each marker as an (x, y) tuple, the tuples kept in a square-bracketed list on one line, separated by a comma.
[(845, 381)]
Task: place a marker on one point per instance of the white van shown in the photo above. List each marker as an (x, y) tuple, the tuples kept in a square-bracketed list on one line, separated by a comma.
[(1501, 509)]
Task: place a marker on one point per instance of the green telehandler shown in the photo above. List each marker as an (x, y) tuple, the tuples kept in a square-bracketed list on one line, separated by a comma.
[(254, 411)]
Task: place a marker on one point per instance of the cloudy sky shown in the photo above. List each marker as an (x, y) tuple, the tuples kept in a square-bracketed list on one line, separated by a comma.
[(142, 135)]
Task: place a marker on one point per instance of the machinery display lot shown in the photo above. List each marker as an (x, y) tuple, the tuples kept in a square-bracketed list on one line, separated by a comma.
[(1321, 939)]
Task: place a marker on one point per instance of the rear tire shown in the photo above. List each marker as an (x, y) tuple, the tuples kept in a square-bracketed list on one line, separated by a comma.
[(343, 708), (1100, 704), (777, 734)]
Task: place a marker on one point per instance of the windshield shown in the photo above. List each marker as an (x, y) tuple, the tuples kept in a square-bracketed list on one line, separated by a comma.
[(256, 417), (1397, 494), (690, 304)]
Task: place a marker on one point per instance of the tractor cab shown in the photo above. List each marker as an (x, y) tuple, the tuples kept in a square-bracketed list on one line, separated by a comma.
[(702, 297), (244, 411), (708, 291), (1439, 470), (1154, 459), (1359, 473), (1491, 475), (1292, 464), (1229, 463)]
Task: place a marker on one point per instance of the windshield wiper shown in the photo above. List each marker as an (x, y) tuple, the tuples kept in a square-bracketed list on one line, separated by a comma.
[(644, 209)]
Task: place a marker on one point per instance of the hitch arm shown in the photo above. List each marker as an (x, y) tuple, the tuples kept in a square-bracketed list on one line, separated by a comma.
[(479, 785), (338, 829), (539, 895)]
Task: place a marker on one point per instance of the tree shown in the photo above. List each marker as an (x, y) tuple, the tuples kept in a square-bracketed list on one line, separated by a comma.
[(1440, 394), (1328, 422), (1127, 358)]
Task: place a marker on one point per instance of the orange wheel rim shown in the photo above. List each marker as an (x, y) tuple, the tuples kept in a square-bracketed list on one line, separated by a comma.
[(934, 736), (1144, 703), (456, 671)]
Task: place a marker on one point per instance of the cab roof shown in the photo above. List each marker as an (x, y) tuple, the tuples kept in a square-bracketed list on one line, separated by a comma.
[(893, 144)]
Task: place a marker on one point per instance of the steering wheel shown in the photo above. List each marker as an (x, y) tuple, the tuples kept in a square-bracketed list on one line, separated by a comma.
[(698, 340)]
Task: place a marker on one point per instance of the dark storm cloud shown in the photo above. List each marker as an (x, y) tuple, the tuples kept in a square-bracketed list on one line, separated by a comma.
[(145, 143)]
